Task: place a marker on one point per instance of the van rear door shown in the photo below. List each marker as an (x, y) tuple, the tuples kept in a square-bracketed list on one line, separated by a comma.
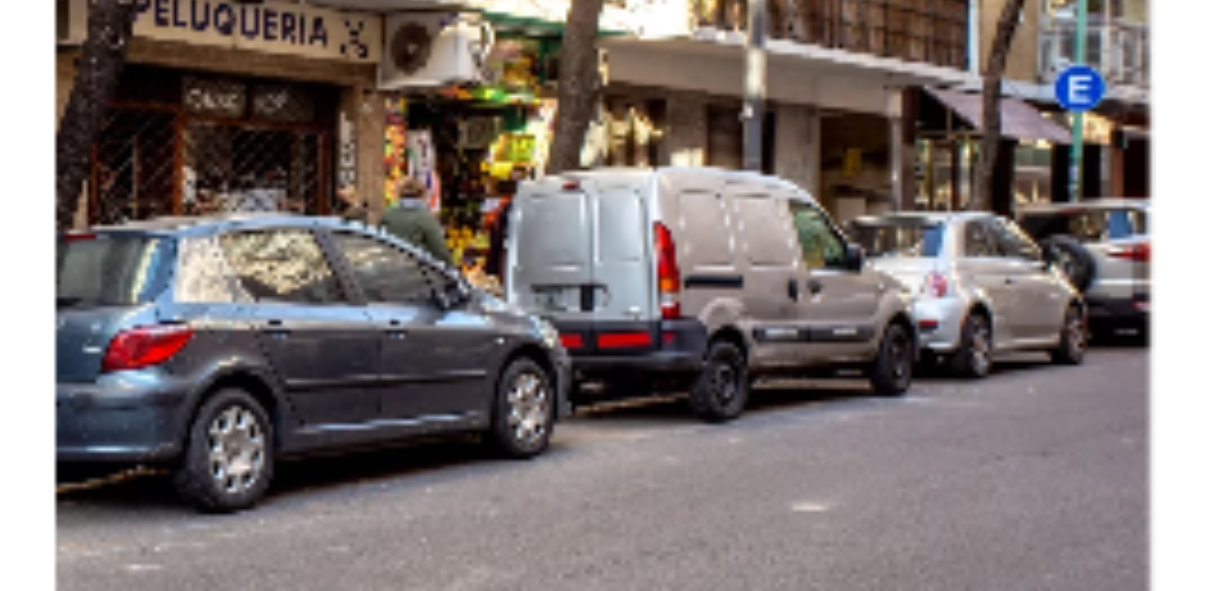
[(580, 253)]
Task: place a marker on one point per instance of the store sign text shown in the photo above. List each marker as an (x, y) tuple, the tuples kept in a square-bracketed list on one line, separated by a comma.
[(271, 26)]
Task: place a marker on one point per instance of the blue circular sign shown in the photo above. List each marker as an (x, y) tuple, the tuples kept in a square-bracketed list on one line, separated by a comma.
[(1079, 88)]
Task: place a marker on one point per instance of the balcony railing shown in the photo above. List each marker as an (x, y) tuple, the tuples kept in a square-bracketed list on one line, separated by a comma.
[(1120, 50), (933, 31)]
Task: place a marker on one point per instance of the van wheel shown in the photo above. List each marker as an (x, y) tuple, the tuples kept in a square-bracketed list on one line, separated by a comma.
[(892, 370), (720, 392), (1072, 339), (974, 356), (228, 459), (522, 421)]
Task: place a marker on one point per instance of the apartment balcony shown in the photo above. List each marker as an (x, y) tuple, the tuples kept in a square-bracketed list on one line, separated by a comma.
[(1120, 50), (932, 31)]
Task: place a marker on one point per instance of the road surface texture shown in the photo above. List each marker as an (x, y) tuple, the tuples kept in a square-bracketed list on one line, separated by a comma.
[(1034, 479)]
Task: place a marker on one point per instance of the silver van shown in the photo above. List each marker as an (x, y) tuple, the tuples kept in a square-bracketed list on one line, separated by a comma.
[(701, 279)]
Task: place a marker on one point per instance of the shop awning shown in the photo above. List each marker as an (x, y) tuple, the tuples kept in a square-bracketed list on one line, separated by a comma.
[(1019, 120)]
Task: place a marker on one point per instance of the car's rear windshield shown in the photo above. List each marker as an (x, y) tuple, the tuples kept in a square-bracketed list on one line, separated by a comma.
[(110, 269), (1088, 225), (899, 238)]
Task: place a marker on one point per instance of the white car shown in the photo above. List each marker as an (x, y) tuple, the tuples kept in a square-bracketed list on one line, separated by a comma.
[(981, 286)]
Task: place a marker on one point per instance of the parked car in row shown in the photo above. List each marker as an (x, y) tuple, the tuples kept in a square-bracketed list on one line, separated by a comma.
[(702, 279), (982, 287), (213, 346), (1104, 247)]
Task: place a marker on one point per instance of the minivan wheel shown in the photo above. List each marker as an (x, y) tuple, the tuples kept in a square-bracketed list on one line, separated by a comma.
[(892, 370), (974, 356), (1073, 338), (522, 420), (228, 459), (722, 388)]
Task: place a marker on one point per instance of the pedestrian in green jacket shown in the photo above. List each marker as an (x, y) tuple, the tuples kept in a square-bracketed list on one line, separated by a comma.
[(412, 221)]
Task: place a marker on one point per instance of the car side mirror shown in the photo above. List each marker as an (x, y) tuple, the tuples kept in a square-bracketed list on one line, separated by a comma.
[(450, 293), (855, 258)]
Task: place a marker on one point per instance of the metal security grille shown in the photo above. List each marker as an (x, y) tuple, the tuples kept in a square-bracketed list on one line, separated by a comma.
[(213, 145)]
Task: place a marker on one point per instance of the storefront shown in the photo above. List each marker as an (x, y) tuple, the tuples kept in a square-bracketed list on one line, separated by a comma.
[(472, 144), (231, 107)]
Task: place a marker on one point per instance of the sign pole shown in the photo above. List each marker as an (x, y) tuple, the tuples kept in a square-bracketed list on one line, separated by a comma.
[(1078, 119), (755, 84)]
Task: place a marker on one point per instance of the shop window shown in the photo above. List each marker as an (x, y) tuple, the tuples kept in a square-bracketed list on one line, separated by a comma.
[(282, 266)]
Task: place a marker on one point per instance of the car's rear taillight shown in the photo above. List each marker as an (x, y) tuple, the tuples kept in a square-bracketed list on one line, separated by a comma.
[(1140, 252), (934, 286), (145, 346), (78, 236), (669, 284)]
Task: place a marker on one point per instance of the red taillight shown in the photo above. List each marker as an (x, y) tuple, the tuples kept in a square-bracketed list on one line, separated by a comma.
[(571, 186), (668, 281), (571, 341), (1140, 252), (145, 346), (935, 286), (624, 340)]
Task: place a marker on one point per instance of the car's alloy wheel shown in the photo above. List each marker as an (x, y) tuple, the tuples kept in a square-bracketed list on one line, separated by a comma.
[(236, 450), (522, 419), (228, 458), (528, 401), (892, 370), (974, 356), (1073, 339)]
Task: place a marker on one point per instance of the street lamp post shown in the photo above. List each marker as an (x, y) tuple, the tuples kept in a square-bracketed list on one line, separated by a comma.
[(755, 84), (1078, 119)]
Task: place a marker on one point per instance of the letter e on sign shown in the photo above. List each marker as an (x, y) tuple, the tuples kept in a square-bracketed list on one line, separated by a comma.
[(1079, 88)]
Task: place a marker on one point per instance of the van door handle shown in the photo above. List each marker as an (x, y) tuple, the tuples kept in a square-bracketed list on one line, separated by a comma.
[(793, 289), (395, 330), (1009, 281), (815, 286)]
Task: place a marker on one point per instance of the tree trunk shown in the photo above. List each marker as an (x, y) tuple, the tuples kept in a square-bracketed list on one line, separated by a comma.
[(1007, 24), (577, 87), (110, 25)]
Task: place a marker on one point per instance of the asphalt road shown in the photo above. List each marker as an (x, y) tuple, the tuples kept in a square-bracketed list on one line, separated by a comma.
[(1034, 479)]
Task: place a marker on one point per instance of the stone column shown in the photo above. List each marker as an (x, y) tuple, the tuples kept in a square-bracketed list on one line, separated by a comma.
[(359, 146), (798, 146)]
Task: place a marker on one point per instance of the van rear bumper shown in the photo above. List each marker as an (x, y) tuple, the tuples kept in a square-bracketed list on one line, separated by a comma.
[(672, 346)]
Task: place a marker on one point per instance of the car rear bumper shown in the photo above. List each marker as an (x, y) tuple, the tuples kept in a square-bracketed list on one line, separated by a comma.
[(126, 417), (1132, 310), (672, 347), (939, 323)]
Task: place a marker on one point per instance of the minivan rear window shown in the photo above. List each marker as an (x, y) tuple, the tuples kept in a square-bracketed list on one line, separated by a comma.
[(110, 270), (899, 238)]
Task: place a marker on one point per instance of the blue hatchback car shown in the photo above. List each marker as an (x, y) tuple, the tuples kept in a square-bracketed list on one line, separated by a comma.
[(216, 345)]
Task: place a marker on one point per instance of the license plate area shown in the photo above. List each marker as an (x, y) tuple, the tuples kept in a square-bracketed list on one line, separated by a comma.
[(557, 298)]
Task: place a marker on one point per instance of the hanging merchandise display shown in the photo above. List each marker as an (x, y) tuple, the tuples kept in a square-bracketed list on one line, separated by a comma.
[(421, 160), (395, 148)]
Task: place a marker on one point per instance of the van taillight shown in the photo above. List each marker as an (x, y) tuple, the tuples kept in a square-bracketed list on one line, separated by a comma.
[(145, 346), (668, 281)]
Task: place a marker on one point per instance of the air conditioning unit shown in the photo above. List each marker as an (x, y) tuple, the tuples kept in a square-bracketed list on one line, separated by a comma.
[(433, 49)]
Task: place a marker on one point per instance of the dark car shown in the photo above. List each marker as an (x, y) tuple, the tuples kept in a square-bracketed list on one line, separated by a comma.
[(214, 346)]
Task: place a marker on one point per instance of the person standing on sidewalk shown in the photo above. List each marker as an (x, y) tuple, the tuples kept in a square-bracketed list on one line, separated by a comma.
[(411, 220)]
